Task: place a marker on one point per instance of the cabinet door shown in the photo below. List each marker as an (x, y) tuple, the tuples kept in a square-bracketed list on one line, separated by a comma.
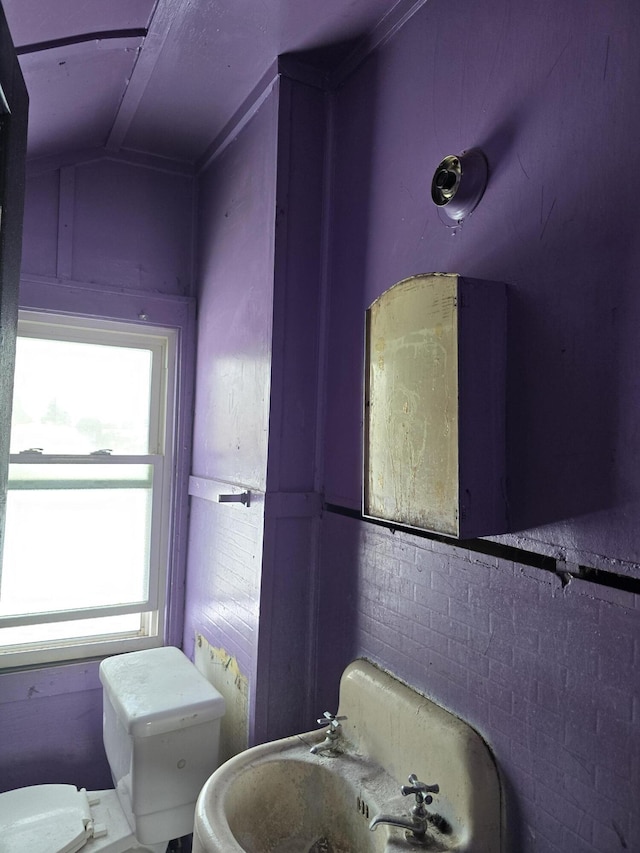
[(14, 104), (434, 419)]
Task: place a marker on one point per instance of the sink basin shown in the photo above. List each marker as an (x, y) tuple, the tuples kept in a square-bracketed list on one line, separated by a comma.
[(280, 798)]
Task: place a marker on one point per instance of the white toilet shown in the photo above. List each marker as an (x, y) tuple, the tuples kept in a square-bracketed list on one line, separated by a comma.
[(161, 726)]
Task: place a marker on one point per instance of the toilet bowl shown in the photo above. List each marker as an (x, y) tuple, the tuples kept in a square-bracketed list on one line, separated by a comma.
[(161, 724)]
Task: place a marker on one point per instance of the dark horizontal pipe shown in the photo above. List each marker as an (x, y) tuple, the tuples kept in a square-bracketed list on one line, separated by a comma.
[(610, 579), (139, 32), (508, 552)]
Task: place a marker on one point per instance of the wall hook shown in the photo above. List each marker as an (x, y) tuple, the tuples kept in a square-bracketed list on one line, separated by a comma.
[(239, 498)]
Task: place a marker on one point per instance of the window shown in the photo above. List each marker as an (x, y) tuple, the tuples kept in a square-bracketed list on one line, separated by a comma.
[(90, 485)]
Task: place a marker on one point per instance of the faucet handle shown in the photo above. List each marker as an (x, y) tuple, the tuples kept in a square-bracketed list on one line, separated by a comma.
[(420, 789), (332, 719)]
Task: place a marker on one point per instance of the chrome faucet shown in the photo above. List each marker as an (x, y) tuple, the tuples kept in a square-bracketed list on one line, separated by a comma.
[(332, 734), (416, 824)]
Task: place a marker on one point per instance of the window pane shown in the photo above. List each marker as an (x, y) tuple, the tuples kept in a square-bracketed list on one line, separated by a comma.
[(83, 476), (129, 624), (72, 397), (87, 530), (77, 546)]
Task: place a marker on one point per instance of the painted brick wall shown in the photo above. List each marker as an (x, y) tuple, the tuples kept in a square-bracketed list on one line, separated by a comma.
[(548, 675), (223, 586)]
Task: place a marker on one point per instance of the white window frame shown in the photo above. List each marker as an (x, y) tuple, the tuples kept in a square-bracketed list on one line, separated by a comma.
[(163, 342)]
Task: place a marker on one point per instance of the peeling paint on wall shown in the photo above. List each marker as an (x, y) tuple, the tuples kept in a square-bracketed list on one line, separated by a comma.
[(221, 669)]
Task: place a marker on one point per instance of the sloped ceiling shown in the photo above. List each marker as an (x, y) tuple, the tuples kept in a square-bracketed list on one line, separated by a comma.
[(165, 76)]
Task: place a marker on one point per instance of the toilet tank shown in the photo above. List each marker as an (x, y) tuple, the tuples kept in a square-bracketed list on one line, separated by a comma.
[(161, 726)]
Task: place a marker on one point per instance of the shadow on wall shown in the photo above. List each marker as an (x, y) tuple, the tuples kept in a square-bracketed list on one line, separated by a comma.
[(548, 228), (567, 321), (353, 175), (377, 628), (324, 57), (553, 230)]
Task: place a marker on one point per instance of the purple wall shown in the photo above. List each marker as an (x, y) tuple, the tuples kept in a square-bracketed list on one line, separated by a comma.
[(112, 221), (550, 93), (292, 502), (545, 673), (124, 229), (51, 723), (551, 96), (236, 204), (256, 397)]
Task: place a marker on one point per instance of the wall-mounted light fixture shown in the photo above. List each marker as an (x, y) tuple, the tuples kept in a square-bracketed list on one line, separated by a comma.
[(459, 182)]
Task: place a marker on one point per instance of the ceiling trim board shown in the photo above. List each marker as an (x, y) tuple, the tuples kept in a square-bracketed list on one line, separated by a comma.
[(164, 15), (384, 30), (79, 50), (81, 157), (240, 118), (283, 66), (106, 35), (302, 72), (157, 162), (71, 285)]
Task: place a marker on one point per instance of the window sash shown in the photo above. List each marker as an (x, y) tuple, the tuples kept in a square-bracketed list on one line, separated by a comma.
[(47, 617), (162, 344), (82, 645), (152, 600), (28, 458)]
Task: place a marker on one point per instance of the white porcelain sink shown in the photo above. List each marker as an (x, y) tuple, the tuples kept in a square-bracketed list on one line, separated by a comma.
[(279, 798)]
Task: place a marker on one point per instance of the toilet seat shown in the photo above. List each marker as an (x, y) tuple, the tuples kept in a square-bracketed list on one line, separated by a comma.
[(63, 819), (45, 818)]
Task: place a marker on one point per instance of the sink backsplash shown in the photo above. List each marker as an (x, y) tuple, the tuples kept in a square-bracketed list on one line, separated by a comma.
[(406, 733)]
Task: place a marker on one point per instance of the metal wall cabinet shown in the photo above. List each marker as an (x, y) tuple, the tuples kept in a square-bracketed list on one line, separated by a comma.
[(434, 417)]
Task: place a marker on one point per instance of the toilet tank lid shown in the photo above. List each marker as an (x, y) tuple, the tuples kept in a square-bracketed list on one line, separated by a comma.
[(159, 690)]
